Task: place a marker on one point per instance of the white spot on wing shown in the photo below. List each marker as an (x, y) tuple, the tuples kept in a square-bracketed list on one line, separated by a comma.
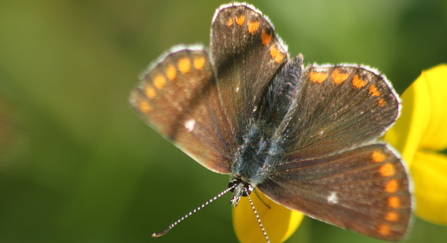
[(332, 198), (189, 125)]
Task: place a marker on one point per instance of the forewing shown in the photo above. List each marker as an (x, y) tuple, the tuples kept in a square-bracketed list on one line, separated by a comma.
[(337, 108), (365, 190), (178, 97), (246, 53)]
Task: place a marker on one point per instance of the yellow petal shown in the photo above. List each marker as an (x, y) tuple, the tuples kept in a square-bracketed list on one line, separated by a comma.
[(424, 115), (409, 129), (279, 222), (429, 172), (435, 137)]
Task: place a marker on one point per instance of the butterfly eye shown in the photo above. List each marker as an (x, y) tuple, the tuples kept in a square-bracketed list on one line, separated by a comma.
[(239, 187), (233, 184)]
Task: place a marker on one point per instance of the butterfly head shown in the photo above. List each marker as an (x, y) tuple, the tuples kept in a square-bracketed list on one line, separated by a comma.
[(240, 189)]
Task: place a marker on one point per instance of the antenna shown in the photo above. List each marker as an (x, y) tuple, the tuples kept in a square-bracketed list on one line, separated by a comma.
[(167, 229), (258, 218)]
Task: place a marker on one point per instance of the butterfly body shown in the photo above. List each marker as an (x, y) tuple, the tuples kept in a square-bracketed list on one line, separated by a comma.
[(305, 136), (259, 149)]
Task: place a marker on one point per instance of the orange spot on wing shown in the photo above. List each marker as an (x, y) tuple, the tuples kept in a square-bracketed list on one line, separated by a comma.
[(392, 216), (253, 27), (357, 82), (338, 77), (381, 102), (199, 62), (266, 38), (373, 91), (159, 81), (392, 186), (276, 55), (387, 170), (171, 72), (384, 229), (240, 20), (378, 156), (184, 65), (150, 92), (144, 106), (318, 77), (393, 202), (229, 22)]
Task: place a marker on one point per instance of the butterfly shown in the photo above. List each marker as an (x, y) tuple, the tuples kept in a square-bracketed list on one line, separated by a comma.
[(304, 136)]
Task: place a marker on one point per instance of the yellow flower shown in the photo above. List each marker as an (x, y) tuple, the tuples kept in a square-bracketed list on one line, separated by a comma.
[(419, 135), (278, 221)]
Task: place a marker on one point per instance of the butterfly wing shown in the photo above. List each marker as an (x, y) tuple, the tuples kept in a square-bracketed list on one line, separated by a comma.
[(365, 190), (178, 97), (326, 168), (337, 108), (246, 53), (202, 109)]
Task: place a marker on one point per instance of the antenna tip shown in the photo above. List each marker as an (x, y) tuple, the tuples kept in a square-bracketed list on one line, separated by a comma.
[(161, 233)]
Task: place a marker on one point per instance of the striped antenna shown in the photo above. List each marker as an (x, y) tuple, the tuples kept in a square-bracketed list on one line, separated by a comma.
[(163, 232), (259, 219)]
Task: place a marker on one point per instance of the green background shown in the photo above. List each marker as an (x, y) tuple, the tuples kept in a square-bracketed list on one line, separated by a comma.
[(76, 165)]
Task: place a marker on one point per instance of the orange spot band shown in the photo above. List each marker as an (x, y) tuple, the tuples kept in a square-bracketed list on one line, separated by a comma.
[(171, 72), (387, 170), (276, 55), (392, 186), (199, 62), (159, 81), (229, 22), (357, 82), (318, 77), (266, 38), (144, 106), (378, 156), (338, 77), (394, 202), (392, 216), (240, 20), (184, 65), (373, 91), (253, 27), (384, 229), (150, 92)]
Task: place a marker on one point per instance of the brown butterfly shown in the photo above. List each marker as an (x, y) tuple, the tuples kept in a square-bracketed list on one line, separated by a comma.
[(306, 137)]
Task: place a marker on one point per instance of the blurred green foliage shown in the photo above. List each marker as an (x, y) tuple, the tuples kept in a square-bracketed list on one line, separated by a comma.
[(76, 165)]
